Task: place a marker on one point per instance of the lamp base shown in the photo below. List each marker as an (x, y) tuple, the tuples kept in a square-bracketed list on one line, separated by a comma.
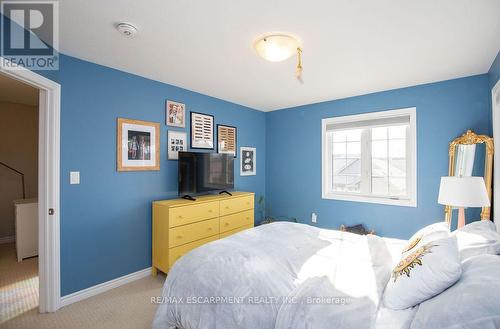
[(461, 218)]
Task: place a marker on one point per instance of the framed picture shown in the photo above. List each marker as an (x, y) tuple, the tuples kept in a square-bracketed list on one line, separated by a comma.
[(177, 142), (226, 139), (248, 161), (175, 114), (137, 145), (202, 131)]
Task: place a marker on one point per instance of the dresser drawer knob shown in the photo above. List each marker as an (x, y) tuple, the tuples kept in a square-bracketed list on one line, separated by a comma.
[(227, 207), (226, 224), (210, 210), (209, 229), (179, 237), (179, 216)]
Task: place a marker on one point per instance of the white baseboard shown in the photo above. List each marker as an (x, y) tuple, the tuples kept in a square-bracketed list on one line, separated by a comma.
[(8, 239), (102, 287)]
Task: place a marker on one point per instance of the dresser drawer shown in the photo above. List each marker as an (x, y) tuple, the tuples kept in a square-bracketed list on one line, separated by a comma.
[(239, 229), (231, 206), (187, 233), (175, 253), (193, 213), (231, 222)]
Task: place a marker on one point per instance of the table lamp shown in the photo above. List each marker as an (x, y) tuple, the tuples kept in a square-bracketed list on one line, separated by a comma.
[(463, 192)]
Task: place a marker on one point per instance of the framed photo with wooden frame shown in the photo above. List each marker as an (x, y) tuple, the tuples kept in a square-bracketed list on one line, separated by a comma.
[(175, 114), (137, 145), (227, 139), (202, 131)]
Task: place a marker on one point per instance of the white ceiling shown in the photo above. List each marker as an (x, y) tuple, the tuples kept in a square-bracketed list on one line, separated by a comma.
[(13, 91), (351, 47)]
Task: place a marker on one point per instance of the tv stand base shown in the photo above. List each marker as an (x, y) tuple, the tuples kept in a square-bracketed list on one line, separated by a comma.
[(225, 192), (188, 197)]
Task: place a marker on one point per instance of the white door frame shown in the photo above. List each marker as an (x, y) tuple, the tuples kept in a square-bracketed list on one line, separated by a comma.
[(495, 107), (48, 184)]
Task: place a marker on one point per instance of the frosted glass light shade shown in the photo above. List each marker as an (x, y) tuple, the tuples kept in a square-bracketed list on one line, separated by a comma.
[(463, 192), (277, 47)]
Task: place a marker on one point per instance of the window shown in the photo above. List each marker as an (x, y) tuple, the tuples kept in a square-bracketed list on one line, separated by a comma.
[(371, 157)]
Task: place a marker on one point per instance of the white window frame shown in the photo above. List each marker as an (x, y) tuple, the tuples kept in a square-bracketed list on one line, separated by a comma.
[(411, 200)]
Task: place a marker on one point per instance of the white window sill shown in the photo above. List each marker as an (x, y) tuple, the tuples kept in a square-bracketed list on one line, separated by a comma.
[(371, 199)]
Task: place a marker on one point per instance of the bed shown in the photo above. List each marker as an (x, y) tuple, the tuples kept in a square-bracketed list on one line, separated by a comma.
[(287, 275)]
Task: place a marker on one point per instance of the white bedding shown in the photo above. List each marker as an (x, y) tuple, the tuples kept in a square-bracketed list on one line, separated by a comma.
[(283, 275)]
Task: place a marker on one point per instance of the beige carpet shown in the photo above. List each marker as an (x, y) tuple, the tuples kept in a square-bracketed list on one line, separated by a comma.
[(125, 307), (18, 283)]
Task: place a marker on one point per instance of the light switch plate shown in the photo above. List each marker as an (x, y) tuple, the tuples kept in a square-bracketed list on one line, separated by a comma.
[(74, 177), (314, 217)]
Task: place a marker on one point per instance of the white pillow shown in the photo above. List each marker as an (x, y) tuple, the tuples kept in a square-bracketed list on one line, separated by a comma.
[(473, 302), (423, 273), (477, 238), (427, 234)]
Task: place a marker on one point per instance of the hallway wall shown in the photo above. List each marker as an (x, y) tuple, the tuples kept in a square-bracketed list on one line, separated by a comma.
[(18, 149)]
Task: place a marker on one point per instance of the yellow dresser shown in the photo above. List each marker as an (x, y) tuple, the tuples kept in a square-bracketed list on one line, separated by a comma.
[(181, 225)]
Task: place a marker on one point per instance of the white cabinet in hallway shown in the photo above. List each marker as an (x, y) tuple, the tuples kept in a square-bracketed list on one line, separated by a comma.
[(26, 212)]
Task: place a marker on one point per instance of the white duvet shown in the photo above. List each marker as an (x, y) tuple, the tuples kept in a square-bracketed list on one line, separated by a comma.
[(283, 275)]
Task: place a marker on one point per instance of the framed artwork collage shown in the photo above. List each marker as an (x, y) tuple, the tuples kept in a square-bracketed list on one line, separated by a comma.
[(138, 142)]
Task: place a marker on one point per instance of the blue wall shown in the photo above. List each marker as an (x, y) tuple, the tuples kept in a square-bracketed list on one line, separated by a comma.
[(106, 220), (494, 72), (445, 110)]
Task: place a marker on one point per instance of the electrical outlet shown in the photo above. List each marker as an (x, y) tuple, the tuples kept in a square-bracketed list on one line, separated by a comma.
[(314, 217)]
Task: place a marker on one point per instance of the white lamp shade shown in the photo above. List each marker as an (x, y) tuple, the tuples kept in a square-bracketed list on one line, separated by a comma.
[(463, 192)]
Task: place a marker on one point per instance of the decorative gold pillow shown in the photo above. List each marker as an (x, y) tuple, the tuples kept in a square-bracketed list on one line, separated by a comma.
[(409, 262), (423, 273)]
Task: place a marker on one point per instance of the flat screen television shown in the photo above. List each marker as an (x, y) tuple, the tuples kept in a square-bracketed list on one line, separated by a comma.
[(202, 173)]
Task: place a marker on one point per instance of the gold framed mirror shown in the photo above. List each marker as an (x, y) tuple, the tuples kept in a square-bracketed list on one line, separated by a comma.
[(463, 153)]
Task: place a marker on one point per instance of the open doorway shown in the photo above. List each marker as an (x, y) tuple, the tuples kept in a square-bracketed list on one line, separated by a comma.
[(19, 284), (49, 98)]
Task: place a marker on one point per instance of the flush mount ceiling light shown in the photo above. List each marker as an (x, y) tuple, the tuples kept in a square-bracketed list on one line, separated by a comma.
[(279, 47)]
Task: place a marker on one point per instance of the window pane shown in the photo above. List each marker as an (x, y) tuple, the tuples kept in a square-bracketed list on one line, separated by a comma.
[(379, 133), (339, 136), (346, 183), (379, 149), (397, 167), (397, 186), (353, 149), (338, 165), (352, 167), (397, 148), (339, 183), (346, 166), (353, 183), (339, 149), (353, 135), (380, 185), (397, 132), (379, 167)]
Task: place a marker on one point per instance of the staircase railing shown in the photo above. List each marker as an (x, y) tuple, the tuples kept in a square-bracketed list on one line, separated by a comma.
[(17, 172)]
